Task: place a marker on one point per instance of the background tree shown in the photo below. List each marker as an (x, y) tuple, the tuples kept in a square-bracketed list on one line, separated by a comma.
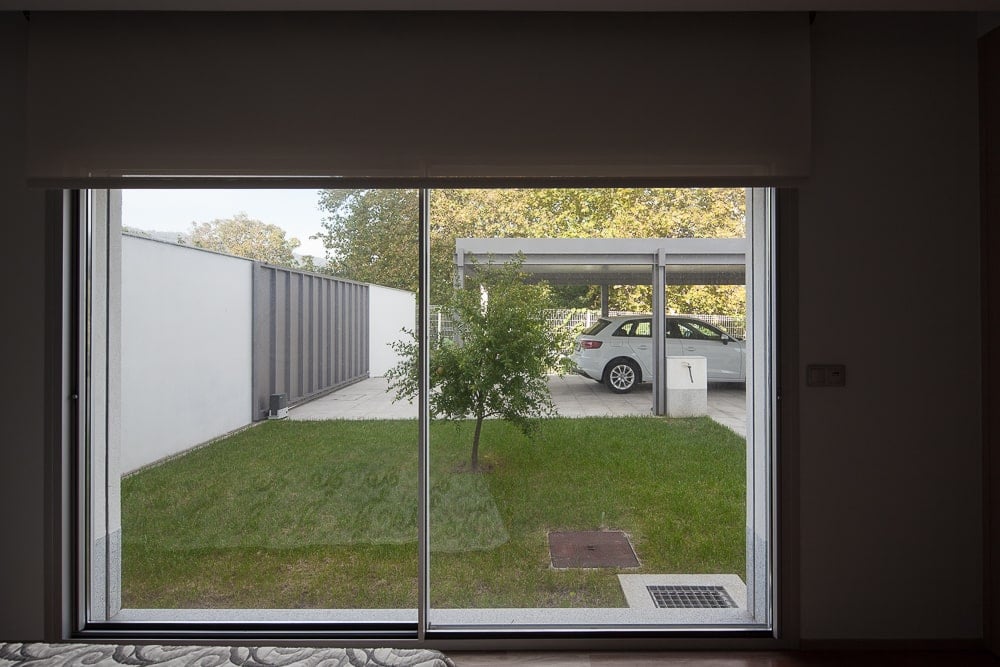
[(371, 235), (307, 263), (498, 362), (243, 236)]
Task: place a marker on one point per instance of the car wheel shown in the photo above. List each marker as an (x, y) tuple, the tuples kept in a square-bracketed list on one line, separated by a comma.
[(621, 376)]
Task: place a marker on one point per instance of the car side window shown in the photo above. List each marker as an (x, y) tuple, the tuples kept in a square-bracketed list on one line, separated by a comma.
[(623, 330), (698, 330), (635, 328)]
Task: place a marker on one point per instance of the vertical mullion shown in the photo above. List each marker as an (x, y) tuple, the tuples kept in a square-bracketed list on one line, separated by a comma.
[(750, 374), (86, 491), (771, 398), (106, 444), (423, 385)]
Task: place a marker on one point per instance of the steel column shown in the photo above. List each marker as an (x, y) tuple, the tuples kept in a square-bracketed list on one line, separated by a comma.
[(659, 341)]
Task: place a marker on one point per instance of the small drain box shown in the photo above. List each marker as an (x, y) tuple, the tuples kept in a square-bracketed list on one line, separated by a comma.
[(277, 406)]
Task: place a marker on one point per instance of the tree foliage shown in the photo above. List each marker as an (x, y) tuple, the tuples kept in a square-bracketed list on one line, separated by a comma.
[(371, 235), (498, 361), (244, 236)]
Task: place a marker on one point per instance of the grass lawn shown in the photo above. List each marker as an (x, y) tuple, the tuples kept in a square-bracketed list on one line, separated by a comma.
[(323, 514)]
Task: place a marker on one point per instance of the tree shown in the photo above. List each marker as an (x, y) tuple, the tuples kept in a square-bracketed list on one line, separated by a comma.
[(371, 235), (307, 263), (245, 237), (498, 362)]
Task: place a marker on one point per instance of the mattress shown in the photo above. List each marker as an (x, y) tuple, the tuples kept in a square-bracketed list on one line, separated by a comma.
[(101, 655)]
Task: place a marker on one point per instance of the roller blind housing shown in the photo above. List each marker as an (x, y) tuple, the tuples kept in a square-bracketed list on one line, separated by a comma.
[(419, 95)]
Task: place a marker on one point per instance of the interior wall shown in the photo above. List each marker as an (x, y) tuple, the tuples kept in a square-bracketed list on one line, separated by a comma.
[(890, 506), (891, 516), (989, 77), (21, 364)]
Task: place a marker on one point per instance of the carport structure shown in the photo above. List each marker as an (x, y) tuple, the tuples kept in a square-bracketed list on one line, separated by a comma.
[(605, 262)]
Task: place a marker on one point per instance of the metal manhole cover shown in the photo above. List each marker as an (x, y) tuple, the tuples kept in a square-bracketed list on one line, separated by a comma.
[(591, 548), (690, 597)]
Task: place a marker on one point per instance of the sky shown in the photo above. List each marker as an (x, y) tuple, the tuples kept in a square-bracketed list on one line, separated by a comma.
[(295, 211)]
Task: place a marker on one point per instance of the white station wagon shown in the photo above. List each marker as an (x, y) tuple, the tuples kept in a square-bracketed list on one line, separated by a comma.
[(618, 351)]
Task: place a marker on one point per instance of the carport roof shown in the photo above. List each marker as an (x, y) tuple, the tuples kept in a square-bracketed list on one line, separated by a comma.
[(613, 261)]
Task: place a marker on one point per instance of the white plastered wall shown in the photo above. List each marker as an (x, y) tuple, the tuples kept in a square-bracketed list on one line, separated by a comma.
[(186, 348), (389, 312)]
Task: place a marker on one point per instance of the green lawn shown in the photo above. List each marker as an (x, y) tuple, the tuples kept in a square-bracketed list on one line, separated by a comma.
[(323, 514)]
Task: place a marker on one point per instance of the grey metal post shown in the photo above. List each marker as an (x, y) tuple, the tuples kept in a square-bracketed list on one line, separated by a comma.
[(658, 333), (605, 296)]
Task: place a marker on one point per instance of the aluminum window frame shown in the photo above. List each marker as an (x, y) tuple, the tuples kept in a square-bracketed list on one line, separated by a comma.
[(76, 258)]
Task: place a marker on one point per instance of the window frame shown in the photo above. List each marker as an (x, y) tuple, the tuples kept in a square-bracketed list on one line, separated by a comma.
[(68, 240)]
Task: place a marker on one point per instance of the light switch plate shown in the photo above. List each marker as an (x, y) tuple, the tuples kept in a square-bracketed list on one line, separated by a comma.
[(826, 375)]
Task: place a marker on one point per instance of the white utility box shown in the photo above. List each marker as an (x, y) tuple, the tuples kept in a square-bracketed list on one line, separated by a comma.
[(687, 387)]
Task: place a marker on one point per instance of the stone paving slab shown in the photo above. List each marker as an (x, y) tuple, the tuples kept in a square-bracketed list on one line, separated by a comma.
[(573, 395)]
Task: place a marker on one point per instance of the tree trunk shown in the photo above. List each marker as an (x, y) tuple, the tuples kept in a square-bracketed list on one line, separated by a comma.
[(475, 443)]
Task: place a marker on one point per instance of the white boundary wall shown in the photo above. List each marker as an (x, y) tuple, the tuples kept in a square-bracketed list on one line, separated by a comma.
[(186, 348), (389, 312)]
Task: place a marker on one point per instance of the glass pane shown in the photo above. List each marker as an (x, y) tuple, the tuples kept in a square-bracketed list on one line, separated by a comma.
[(557, 496), (263, 465), (261, 407)]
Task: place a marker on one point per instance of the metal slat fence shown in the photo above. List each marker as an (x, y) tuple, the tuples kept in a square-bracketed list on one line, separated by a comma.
[(577, 319), (310, 334)]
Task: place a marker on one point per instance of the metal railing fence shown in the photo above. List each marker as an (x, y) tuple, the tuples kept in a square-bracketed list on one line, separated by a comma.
[(577, 319)]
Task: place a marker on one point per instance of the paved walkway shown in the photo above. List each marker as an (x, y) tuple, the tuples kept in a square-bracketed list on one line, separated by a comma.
[(573, 395)]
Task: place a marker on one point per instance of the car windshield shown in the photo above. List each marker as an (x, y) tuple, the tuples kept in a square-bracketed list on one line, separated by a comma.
[(596, 327)]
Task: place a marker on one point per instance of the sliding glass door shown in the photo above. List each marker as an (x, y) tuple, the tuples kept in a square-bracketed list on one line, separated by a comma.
[(407, 411), (254, 458), (590, 368)]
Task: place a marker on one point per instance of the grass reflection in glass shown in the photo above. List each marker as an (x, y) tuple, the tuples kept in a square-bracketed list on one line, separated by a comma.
[(323, 514)]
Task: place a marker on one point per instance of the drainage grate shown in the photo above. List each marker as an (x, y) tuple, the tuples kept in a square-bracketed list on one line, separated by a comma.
[(690, 597)]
